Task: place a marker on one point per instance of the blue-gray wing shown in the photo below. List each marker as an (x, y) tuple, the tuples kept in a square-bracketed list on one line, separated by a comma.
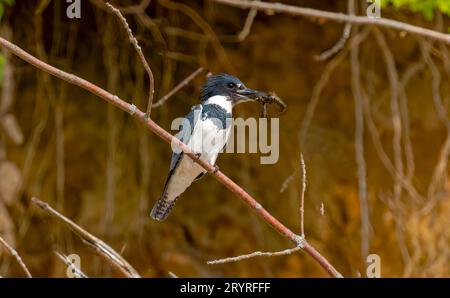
[(184, 135)]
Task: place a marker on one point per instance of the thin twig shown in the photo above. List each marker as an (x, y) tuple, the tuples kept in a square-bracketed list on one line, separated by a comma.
[(178, 87), (345, 36), (205, 27), (66, 261), (14, 253), (255, 254), (302, 202), (359, 150), (248, 24), (409, 73), (173, 275), (338, 17), (150, 124), (441, 166), (138, 49), (376, 139), (322, 83), (103, 249), (392, 73), (288, 180)]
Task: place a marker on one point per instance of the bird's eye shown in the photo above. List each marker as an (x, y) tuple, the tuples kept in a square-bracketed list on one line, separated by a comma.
[(231, 85)]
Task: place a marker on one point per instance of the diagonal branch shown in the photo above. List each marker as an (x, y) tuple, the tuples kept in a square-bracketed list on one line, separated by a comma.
[(255, 254), (336, 16), (248, 24), (14, 253), (178, 87), (141, 116), (103, 249)]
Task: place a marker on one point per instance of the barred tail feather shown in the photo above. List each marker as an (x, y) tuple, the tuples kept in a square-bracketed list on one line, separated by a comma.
[(162, 208)]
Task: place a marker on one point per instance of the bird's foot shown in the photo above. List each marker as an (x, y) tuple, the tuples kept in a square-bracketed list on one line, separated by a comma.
[(197, 156), (215, 170)]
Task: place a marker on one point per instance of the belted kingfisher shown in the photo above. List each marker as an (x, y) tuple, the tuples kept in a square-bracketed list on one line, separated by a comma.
[(205, 130)]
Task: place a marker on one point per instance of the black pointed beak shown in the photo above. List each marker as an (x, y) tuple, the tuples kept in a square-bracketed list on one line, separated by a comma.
[(250, 94)]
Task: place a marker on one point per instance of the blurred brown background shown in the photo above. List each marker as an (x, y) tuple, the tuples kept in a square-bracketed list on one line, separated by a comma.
[(100, 168)]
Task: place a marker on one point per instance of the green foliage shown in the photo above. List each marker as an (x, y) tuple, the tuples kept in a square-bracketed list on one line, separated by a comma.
[(426, 7)]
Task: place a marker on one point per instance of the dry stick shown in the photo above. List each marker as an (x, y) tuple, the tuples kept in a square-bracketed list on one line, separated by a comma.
[(204, 26), (288, 180), (69, 264), (255, 254), (397, 136), (409, 154), (376, 139), (441, 165), (138, 49), (14, 253), (345, 36), (316, 95), (139, 115), (178, 87), (409, 73), (359, 151), (277, 253), (336, 16), (248, 24), (103, 249), (395, 108), (322, 83), (135, 9), (302, 202)]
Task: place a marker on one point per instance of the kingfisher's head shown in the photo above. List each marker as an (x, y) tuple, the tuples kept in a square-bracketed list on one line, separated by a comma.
[(229, 87)]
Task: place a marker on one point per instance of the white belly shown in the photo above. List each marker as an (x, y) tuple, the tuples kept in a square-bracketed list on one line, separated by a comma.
[(208, 140)]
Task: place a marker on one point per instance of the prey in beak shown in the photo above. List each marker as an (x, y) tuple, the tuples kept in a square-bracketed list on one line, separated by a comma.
[(246, 94)]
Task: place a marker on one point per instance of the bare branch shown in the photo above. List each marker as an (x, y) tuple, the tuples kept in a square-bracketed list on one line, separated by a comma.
[(14, 253), (441, 165), (255, 254), (322, 83), (135, 9), (138, 49), (248, 24), (345, 36), (178, 87), (288, 180), (338, 17), (302, 203), (103, 249), (359, 150), (395, 109)]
